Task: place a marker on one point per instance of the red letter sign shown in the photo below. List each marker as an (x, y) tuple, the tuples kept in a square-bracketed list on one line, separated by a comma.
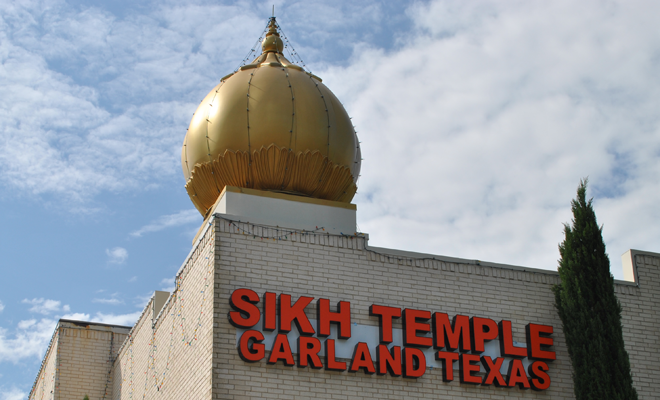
[(388, 360), (493, 374), (537, 340), (342, 318), (331, 362), (362, 359), (281, 351), (385, 315), (295, 313), (540, 379), (247, 313), (507, 349), (250, 348), (411, 326), (270, 311), (483, 330), (308, 350), (414, 362), (467, 366), (517, 374), (447, 360), (451, 335)]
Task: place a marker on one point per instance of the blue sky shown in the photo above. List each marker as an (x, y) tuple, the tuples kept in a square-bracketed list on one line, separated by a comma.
[(477, 121)]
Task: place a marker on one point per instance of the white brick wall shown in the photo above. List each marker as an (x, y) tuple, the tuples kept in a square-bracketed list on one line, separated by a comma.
[(340, 268), (190, 351), (172, 358), (45, 384), (641, 324), (79, 362)]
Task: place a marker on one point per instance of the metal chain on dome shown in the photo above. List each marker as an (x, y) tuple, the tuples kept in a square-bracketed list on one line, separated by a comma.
[(294, 57), (254, 48)]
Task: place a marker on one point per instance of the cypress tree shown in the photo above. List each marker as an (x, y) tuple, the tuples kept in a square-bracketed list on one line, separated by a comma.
[(589, 310)]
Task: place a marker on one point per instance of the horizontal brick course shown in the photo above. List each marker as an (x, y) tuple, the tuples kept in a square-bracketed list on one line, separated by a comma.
[(79, 361), (189, 350), (344, 268), (171, 357)]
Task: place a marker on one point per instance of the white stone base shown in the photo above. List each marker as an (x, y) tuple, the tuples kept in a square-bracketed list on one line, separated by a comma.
[(286, 211)]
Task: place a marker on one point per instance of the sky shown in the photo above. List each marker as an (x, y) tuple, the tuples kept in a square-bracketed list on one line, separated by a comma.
[(477, 121)]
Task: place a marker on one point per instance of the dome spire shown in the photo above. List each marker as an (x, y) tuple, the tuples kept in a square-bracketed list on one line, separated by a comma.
[(272, 42)]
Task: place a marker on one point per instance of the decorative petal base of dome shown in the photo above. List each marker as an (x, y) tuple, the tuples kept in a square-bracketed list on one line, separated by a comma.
[(271, 168)]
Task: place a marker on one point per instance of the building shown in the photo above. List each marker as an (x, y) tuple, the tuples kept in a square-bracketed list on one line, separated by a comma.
[(281, 298)]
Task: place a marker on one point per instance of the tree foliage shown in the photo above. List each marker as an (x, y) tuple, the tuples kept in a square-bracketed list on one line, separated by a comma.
[(589, 310)]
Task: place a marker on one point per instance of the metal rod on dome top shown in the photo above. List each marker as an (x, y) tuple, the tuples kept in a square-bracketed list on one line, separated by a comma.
[(293, 54), (254, 47)]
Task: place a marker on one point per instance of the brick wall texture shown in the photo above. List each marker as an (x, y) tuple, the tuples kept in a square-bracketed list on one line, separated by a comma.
[(44, 385), (79, 362), (641, 325), (342, 269), (189, 351), (170, 357)]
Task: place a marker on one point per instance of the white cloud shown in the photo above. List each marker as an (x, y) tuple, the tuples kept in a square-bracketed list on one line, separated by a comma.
[(73, 146), (476, 132), (76, 316), (114, 94), (167, 285), (133, 279), (12, 393), (117, 122), (117, 319), (2, 307), (45, 306), (113, 300), (30, 339), (491, 114), (26, 324), (117, 255), (141, 301), (167, 221)]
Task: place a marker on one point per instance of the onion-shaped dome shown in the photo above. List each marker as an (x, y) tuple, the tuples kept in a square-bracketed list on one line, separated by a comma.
[(271, 126)]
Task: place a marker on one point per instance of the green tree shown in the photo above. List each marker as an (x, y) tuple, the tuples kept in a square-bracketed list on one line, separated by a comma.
[(86, 397), (589, 310)]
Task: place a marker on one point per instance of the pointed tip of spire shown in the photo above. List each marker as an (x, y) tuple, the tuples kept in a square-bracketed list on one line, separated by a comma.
[(272, 41), (272, 27)]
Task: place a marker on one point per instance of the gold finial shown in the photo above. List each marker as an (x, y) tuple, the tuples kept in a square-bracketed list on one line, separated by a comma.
[(272, 42), (272, 27)]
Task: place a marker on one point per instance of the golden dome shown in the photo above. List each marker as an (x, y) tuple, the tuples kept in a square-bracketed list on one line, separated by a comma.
[(270, 126)]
